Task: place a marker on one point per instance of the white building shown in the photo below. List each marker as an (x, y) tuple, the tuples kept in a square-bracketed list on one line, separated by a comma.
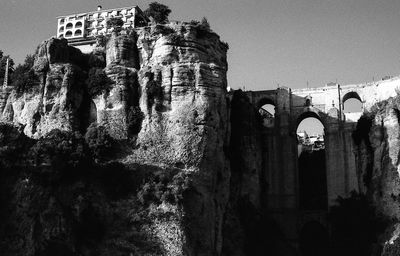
[(81, 29)]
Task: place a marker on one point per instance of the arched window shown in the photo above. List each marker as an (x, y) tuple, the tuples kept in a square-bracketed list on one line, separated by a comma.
[(352, 103), (78, 25), (62, 21), (68, 34), (61, 30), (69, 25), (311, 162), (266, 109), (267, 112), (61, 36), (352, 106), (78, 33)]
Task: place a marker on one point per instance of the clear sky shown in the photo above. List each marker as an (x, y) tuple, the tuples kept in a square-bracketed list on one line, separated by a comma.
[(288, 42)]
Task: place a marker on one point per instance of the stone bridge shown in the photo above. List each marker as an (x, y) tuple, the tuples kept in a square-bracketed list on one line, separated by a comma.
[(280, 146)]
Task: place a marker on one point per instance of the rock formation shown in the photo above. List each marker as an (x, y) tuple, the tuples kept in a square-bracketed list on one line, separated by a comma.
[(153, 176)]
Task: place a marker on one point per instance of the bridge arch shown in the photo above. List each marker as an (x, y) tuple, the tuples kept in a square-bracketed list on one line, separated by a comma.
[(265, 101), (351, 94), (310, 112), (267, 109), (352, 106), (311, 162)]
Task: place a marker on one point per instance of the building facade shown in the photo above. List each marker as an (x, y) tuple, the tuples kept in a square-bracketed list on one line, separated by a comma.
[(81, 29)]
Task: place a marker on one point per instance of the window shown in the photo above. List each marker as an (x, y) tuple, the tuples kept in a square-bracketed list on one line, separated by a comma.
[(78, 33), (78, 25), (62, 21), (68, 34), (61, 30), (69, 26)]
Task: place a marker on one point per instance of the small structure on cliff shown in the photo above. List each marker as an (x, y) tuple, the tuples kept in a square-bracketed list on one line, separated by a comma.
[(5, 83), (81, 29)]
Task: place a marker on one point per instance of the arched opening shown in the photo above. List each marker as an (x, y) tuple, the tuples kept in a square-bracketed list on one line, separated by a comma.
[(78, 33), (314, 239), (78, 24), (311, 162), (62, 21), (267, 112), (352, 106), (68, 34), (61, 36), (69, 25), (61, 29)]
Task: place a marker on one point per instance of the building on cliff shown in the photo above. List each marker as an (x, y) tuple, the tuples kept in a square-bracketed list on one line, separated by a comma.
[(81, 29)]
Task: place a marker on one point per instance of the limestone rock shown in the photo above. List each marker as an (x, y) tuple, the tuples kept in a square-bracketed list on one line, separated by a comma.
[(173, 78)]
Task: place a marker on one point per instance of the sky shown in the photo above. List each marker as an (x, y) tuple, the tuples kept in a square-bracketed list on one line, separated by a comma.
[(272, 42)]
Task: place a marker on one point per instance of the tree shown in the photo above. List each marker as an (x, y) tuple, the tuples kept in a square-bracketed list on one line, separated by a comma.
[(23, 76), (115, 23), (205, 24), (158, 12)]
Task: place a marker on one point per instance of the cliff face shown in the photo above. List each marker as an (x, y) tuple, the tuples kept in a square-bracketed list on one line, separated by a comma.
[(153, 176), (54, 101), (377, 155)]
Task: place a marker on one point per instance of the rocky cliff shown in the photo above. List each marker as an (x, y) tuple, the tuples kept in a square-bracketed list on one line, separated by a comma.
[(127, 151), (377, 155)]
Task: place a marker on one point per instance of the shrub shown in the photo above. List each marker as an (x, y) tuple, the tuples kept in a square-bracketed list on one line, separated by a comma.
[(12, 140), (101, 40), (158, 12), (98, 82), (100, 143), (135, 118), (115, 23), (202, 27), (24, 75), (163, 186), (204, 23), (59, 156)]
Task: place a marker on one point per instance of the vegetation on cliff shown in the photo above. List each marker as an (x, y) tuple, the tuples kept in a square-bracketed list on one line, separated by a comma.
[(158, 12)]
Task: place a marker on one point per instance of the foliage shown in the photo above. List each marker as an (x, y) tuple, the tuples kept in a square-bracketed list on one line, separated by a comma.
[(101, 40), (63, 152), (202, 27), (97, 59), (153, 89), (12, 140), (24, 76), (355, 225), (158, 12), (225, 44), (163, 186), (100, 143), (135, 118), (97, 81), (204, 23), (115, 23)]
